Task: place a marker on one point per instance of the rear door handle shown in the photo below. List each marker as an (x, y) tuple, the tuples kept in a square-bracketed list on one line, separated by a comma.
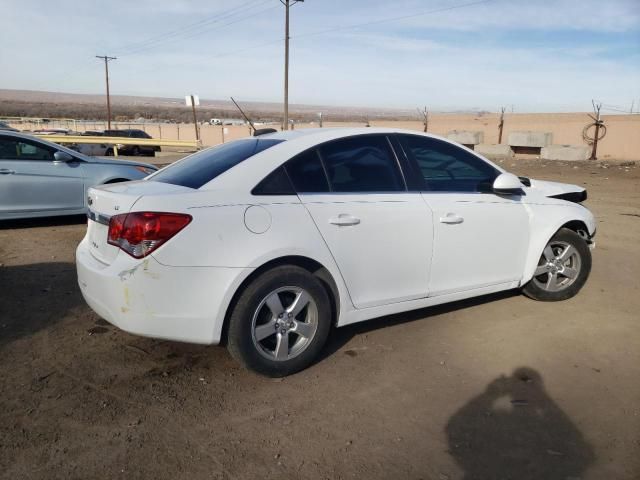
[(451, 218), (344, 219), (6, 171)]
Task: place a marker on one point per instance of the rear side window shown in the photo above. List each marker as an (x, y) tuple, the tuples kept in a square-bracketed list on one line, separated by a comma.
[(364, 163), (306, 173), (276, 183), (202, 167), (447, 168)]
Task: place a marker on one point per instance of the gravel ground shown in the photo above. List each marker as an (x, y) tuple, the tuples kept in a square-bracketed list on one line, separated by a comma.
[(499, 387)]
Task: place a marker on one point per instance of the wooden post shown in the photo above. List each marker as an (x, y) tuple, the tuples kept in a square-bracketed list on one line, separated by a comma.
[(500, 126), (195, 118)]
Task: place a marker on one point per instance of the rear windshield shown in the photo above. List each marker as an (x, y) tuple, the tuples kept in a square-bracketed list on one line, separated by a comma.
[(202, 167)]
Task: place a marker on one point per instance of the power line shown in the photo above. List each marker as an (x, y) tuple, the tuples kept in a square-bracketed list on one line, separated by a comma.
[(346, 27), (394, 19), (189, 30)]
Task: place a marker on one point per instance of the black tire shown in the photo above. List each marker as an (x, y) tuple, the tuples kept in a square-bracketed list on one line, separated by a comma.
[(536, 290), (135, 151), (109, 152), (241, 341)]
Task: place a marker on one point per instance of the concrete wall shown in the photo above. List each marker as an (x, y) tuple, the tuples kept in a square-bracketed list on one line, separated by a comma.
[(622, 141)]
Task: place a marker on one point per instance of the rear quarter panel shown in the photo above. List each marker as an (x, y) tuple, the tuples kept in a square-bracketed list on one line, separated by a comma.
[(219, 235)]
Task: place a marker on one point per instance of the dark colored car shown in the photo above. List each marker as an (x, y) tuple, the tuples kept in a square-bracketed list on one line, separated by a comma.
[(7, 127), (135, 150)]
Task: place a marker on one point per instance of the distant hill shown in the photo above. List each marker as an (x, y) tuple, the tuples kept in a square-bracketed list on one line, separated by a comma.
[(87, 106)]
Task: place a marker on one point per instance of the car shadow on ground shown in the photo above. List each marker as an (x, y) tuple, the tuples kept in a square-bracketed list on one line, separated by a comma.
[(34, 297), (514, 429), (43, 222), (339, 337)]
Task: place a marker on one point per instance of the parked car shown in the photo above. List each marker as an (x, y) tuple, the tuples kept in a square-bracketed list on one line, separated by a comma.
[(53, 131), (93, 149), (41, 179), (265, 243), (135, 150), (6, 127)]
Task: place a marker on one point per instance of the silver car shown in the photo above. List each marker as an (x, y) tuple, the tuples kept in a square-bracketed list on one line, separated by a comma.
[(41, 179)]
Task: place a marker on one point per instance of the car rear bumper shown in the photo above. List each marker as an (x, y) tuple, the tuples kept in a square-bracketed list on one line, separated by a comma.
[(147, 298)]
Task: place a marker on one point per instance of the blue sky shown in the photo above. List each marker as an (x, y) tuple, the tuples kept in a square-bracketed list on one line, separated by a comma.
[(538, 55)]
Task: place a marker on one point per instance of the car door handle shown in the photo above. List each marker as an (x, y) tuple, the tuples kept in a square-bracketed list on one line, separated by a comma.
[(6, 171), (451, 218), (344, 219)]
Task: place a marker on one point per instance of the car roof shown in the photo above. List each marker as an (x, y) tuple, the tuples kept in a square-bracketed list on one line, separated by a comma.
[(249, 172)]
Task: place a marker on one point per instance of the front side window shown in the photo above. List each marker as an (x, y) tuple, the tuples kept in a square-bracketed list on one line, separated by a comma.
[(16, 149), (363, 163), (202, 167), (446, 167)]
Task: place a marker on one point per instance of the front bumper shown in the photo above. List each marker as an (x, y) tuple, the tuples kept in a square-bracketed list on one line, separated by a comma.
[(144, 297)]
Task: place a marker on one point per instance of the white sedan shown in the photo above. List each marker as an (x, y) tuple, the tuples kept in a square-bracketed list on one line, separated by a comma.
[(264, 243)]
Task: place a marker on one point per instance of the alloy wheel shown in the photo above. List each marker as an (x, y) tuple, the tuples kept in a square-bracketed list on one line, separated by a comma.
[(558, 268), (285, 323)]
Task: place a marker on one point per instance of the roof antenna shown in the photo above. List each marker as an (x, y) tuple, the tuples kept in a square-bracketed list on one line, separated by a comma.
[(256, 131)]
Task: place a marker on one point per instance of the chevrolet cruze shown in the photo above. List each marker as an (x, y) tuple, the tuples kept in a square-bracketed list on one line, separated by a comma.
[(265, 243)]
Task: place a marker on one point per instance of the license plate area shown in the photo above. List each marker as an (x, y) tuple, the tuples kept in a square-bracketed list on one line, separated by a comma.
[(98, 245)]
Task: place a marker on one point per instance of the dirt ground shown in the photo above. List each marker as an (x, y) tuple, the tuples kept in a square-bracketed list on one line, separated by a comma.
[(500, 387)]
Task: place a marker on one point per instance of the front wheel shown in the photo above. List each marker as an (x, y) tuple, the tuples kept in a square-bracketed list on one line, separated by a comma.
[(562, 270), (280, 322)]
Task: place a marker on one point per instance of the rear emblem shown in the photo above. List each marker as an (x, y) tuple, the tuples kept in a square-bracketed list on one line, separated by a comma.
[(117, 207), (90, 200)]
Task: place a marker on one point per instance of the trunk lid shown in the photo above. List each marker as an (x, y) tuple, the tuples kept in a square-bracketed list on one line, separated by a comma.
[(106, 201)]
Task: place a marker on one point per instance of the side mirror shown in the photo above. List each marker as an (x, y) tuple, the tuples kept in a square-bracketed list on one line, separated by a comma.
[(507, 184), (63, 157)]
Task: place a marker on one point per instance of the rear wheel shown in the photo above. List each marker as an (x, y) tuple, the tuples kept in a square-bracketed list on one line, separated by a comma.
[(280, 322), (563, 268)]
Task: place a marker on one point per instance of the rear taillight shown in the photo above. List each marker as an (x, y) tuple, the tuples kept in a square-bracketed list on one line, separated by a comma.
[(140, 233)]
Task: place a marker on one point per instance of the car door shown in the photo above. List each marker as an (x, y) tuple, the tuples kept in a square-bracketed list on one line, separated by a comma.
[(31, 180), (379, 233), (480, 238)]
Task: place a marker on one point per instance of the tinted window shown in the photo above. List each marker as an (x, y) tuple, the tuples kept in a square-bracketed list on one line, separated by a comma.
[(306, 172), (139, 134), (276, 183), (361, 164), (115, 133), (202, 167), (446, 167), (15, 149)]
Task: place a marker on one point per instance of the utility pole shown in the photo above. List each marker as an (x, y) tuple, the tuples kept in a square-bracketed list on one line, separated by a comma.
[(501, 125), (287, 4), (106, 74)]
